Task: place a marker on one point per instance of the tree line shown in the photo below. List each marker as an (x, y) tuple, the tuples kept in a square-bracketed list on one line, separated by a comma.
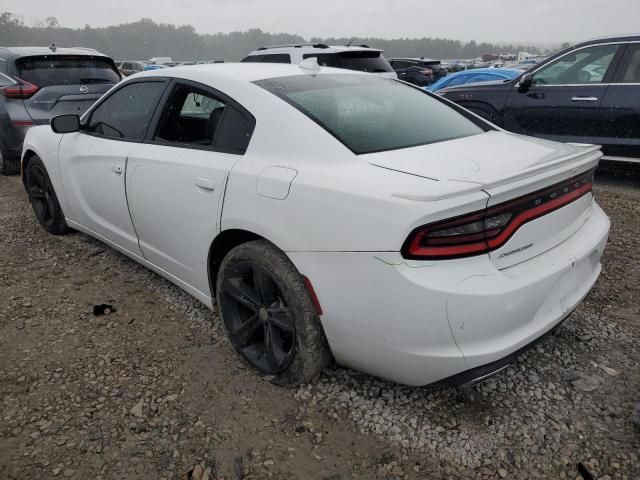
[(144, 39)]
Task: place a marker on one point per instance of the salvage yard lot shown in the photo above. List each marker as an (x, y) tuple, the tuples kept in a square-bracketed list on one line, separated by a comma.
[(153, 389)]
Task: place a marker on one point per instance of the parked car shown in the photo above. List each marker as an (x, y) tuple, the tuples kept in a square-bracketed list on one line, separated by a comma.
[(353, 57), (161, 61), (588, 93), (153, 66), (419, 71), (476, 75), (129, 68), (330, 213), (37, 83)]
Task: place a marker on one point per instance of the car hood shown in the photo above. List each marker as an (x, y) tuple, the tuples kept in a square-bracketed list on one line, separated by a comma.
[(487, 159)]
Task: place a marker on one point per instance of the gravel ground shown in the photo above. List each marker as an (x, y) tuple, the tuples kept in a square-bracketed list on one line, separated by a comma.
[(154, 391)]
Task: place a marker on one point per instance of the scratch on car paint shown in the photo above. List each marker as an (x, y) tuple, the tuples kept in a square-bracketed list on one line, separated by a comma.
[(446, 312), (471, 276), (398, 264)]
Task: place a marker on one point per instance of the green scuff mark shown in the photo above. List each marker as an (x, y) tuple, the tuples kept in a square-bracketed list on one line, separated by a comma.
[(398, 264)]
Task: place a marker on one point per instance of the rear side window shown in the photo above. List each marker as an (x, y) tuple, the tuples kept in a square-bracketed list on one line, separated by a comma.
[(47, 70), (126, 113), (195, 117), (368, 113), (631, 64), (360, 60), (272, 58), (191, 116)]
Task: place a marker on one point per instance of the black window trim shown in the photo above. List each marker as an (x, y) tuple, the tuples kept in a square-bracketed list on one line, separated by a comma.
[(228, 101), (86, 118), (479, 122)]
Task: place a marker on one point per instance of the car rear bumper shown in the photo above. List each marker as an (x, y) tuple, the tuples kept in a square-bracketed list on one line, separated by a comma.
[(419, 322)]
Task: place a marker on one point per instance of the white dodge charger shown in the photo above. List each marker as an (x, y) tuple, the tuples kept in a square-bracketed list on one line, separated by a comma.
[(330, 214)]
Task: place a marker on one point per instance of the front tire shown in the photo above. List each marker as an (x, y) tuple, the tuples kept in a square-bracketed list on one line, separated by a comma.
[(43, 198), (269, 316)]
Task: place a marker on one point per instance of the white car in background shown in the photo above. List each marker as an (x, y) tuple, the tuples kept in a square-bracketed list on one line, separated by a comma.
[(330, 214), (361, 58)]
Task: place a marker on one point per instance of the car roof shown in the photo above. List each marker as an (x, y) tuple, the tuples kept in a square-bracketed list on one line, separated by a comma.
[(16, 52), (242, 72), (320, 47), (610, 38)]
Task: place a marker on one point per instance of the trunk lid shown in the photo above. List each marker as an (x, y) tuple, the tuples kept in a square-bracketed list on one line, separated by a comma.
[(57, 100), (487, 159), (508, 166)]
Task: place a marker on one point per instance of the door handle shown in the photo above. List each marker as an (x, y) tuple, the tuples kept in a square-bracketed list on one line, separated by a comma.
[(116, 168), (205, 184), (584, 99)]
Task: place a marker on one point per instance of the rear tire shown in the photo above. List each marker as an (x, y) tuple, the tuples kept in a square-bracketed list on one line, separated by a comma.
[(43, 198), (269, 316), (9, 165)]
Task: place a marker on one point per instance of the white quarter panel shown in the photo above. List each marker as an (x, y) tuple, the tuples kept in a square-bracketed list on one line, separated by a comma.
[(92, 170), (175, 196)]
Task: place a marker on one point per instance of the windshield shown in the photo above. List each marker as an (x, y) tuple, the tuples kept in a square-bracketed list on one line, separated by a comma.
[(47, 70), (360, 60), (368, 113)]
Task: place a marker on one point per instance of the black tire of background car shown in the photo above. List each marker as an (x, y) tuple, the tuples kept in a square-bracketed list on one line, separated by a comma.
[(310, 353), (43, 198), (9, 165)]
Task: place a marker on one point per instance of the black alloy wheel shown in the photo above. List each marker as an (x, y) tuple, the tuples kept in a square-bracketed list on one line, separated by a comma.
[(41, 196), (260, 325)]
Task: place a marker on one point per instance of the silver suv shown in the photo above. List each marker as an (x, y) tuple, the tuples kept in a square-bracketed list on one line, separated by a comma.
[(352, 57), (37, 83)]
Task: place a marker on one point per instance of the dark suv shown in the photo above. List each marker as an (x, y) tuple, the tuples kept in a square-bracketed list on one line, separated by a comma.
[(419, 71), (588, 93), (37, 83)]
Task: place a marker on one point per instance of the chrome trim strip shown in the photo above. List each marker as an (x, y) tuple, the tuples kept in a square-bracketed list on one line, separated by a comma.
[(621, 159)]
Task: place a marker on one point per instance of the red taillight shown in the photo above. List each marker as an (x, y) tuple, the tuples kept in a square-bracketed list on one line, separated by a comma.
[(312, 293), (482, 232), (426, 71), (19, 90)]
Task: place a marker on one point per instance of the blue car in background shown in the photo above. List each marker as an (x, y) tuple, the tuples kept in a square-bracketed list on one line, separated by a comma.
[(475, 75)]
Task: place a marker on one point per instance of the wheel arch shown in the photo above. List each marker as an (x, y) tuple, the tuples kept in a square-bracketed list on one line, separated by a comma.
[(224, 242), (27, 155)]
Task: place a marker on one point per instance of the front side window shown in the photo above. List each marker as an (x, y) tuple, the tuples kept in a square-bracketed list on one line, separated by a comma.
[(631, 65), (368, 113), (586, 66), (191, 116), (126, 114)]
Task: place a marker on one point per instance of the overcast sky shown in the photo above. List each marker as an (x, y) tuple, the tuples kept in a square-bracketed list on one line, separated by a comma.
[(535, 21)]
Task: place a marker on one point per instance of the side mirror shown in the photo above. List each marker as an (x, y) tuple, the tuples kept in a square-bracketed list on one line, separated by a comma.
[(65, 123), (525, 82)]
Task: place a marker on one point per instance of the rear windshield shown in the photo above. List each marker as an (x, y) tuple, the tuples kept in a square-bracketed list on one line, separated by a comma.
[(47, 70), (368, 113), (362, 61)]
